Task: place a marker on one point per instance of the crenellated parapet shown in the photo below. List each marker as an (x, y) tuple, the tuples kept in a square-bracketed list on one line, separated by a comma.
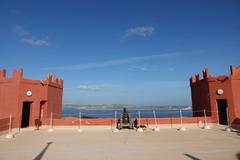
[(197, 77), (235, 75), (54, 80), (18, 75)]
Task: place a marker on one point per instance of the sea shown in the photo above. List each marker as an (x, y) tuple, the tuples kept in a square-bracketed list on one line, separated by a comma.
[(83, 113)]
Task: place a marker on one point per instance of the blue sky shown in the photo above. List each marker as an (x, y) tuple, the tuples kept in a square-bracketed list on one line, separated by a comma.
[(131, 52)]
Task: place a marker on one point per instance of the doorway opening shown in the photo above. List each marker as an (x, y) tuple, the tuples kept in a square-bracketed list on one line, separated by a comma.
[(25, 114), (222, 111)]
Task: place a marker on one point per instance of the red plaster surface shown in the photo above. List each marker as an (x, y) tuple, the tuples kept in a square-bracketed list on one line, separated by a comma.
[(45, 93), (204, 93)]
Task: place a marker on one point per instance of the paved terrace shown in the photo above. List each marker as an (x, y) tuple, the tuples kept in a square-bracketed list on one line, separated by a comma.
[(102, 144)]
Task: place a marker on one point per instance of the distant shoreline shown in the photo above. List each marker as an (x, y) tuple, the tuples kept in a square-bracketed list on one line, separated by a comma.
[(121, 106)]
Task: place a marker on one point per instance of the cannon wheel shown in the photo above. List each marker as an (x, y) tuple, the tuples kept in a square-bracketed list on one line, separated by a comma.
[(119, 126), (131, 126)]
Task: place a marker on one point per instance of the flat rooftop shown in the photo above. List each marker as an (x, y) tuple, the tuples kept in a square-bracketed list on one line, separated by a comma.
[(102, 144)]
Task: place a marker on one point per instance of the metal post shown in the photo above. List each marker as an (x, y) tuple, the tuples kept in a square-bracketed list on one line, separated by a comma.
[(181, 121), (10, 125), (217, 116), (154, 114), (10, 135), (156, 128), (180, 117), (228, 121), (206, 126), (80, 122), (51, 123), (115, 129), (205, 118), (139, 122), (115, 118)]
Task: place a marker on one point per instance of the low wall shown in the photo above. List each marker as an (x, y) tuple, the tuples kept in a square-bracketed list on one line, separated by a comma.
[(110, 121), (73, 121)]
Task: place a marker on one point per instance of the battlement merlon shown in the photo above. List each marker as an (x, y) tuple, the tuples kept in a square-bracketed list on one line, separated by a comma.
[(205, 73), (192, 80), (17, 74), (235, 72), (235, 75), (197, 77), (49, 77), (3, 74), (55, 79)]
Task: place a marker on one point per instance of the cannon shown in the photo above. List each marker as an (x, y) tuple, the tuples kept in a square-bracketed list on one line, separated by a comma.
[(124, 121)]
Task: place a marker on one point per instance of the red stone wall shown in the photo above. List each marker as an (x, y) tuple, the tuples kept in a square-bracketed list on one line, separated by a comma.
[(204, 92), (200, 97), (4, 124), (235, 76), (46, 94)]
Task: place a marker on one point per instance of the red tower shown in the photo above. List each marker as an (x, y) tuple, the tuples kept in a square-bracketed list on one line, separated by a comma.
[(27, 100), (218, 94)]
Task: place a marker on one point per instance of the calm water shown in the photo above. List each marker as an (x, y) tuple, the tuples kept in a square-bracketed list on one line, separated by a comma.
[(72, 112)]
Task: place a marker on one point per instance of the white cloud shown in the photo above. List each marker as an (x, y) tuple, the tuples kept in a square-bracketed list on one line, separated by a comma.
[(113, 62), (137, 68), (91, 88), (143, 31), (37, 42), (28, 38)]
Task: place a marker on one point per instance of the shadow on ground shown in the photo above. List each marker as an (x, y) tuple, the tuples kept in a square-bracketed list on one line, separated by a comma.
[(191, 156), (238, 156), (40, 155)]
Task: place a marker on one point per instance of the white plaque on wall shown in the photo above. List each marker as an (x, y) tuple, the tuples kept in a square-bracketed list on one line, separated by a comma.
[(29, 93), (220, 91)]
